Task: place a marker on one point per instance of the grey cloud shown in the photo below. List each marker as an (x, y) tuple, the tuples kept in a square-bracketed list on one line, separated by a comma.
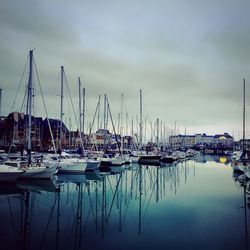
[(189, 58), (30, 18)]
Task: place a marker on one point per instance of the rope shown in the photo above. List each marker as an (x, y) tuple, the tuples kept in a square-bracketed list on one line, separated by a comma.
[(73, 108), (12, 107), (50, 130)]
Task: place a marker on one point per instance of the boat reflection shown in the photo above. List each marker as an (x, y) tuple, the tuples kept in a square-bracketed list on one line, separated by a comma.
[(243, 186), (71, 178), (65, 213), (47, 185)]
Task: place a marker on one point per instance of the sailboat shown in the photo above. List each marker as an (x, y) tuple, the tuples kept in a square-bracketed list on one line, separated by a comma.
[(67, 164), (146, 159), (9, 173), (114, 159), (31, 168), (241, 163)]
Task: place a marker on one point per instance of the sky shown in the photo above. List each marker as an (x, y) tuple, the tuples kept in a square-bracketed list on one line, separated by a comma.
[(189, 58)]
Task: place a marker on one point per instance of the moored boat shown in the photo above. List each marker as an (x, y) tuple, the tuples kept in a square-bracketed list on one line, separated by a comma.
[(168, 159), (72, 168), (92, 165), (9, 173), (149, 160), (36, 170)]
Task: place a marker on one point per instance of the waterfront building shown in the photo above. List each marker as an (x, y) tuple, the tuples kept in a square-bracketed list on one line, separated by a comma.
[(239, 144), (103, 139), (201, 141), (224, 140), (13, 131), (99, 138), (55, 129), (3, 131), (186, 141)]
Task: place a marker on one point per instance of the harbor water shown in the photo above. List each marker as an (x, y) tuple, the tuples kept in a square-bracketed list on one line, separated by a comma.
[(194, 204)]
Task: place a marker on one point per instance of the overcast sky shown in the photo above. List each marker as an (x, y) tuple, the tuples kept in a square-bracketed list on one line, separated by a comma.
[(189, 57)]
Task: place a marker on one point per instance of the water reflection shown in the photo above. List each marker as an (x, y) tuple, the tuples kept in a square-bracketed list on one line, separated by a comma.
[(243, 187), (225, 159), (135, 207)]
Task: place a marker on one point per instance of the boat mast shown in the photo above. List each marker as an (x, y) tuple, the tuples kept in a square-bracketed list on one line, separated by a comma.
[(98, 116), (121, 130), (70, 133), (161, 130), (83, 111), (244, 115), (104, 120), (80, 106), (140, 119), (29, 104), (105, 111), (61, 113), (126, 124), (1, 101), (157, 133), (112, 123)]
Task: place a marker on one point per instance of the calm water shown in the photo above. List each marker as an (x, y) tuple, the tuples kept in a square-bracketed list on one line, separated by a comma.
[(192, 205)]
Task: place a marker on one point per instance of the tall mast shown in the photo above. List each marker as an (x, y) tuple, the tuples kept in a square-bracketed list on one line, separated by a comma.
[(244, 113), (121, 124), (161, 131), (29, 103), (157, 132), (112, 123), (104, 119), (105, 111), (132, 126), (133, 135), (1, 101), (185, 142), (140, 118), (175, 136), (83, 111), (126, 123), (70, 126), (80, 105), (98, 116), (61, 113)]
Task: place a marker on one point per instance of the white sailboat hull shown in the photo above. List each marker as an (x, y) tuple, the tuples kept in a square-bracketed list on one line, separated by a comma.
[(69, 168), (92, 165), (9, 174), (112, 161), (39, 172), (134, 159)]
